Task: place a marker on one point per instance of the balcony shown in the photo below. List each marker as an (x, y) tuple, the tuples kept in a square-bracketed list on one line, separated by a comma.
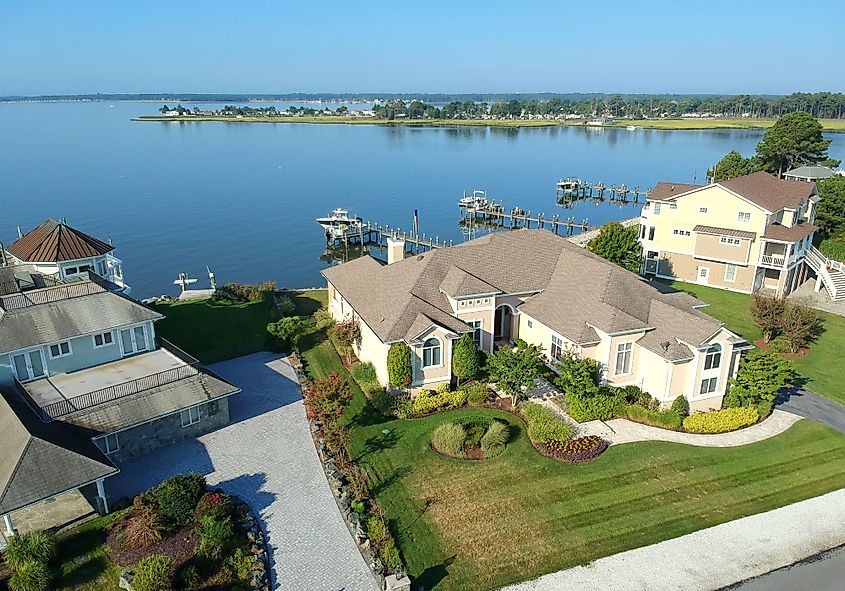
[(772, 261), (61, 394)]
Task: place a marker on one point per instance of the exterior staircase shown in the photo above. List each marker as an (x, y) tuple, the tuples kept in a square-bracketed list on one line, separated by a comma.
[(830, 273)]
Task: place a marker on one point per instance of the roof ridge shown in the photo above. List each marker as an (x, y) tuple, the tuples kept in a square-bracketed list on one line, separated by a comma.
[(14, 471)]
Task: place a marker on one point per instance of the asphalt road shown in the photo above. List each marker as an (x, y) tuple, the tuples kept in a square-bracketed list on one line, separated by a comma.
[(808, 404), (824, 572)]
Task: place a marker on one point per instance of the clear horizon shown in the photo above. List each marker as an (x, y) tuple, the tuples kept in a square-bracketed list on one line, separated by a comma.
[(657, 48)]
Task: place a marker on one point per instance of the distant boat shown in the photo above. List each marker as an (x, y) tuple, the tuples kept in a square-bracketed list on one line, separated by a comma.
[(339, 224), (111, 106), (569, 185), (477, 200), (600, 122), (631, 127)]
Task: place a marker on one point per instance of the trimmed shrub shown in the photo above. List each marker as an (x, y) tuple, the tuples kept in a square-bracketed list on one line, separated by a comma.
[(383, 542), (30, 575), (443, 388), (37, 546), (364, 373), (636, 395), (404, 408), (381, 399), (215, 504), (665, 419), (217, 536), (154, 573), (427, 401), (544, 426), (764, 408), (476, 393), (495, 439), (143, 529), (600, 407), (721, 421), (681, 406), (178, 496), (399, 370), (577, 451), (449, 439), (475, 427)]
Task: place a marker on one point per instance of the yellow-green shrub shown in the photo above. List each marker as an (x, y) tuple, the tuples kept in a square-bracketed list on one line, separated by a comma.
[(721, 421), (427, 401)]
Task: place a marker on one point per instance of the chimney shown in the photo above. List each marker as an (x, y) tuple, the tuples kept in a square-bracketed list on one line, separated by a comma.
[(395, 250)]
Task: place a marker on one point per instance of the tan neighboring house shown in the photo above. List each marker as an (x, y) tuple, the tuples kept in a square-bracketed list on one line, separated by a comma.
[(539, 287), (749, 233)]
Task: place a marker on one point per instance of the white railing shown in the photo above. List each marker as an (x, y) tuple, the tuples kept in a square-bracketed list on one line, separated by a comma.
[(825, 268), (775, 261)]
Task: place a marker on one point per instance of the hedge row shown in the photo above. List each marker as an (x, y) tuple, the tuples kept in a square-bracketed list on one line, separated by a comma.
[(721, 421), (544, 427), (665, 419), (427, 401)]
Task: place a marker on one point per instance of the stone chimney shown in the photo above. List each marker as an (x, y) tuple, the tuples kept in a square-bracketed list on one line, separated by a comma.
[(395, 250)]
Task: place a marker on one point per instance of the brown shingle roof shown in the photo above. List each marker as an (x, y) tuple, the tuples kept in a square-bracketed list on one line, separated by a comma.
[(664, 190), (769, 192), (55, 241), (459, 283), (792, 234), (724, 232), (575, 291)]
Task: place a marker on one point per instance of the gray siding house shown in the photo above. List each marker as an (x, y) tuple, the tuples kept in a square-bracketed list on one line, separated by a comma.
[(83, 373)]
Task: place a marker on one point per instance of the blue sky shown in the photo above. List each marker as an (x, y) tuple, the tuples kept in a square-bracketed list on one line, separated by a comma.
[(631, 47)]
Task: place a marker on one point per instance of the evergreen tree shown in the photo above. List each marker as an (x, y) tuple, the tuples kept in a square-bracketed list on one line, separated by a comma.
[(830, 215), (732, 165), (465, 361), (619, 245), (795, 139), (399, 370)]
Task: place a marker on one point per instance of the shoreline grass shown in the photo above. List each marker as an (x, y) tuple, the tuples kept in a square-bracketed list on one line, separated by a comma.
[(829, 125)]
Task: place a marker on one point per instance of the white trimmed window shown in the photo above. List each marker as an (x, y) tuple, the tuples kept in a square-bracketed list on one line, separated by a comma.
[(103, 339), (190, 416), (624, 355), (60, 350), (431, 353), (677, 232), (743, 217), (108, 444), (530, 324), (657, 208), (556, 350), (476, 331), (713, 358), (702, 210), (730, 273), (673, 206), (708, 386), (730, 240)]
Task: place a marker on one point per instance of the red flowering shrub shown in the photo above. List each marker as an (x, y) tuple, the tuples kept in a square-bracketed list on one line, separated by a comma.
[(576, 451), (326, 398), (215, 504)]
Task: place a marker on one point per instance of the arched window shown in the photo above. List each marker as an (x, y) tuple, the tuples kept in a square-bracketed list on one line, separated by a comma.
[(431, 353), (713, 357)]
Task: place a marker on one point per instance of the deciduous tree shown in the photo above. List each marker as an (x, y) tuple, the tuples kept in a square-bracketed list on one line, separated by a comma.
[(794, 139), (619, 245), (346, 334), (800, 325), (767, 312), (288, 330), (514, 370)]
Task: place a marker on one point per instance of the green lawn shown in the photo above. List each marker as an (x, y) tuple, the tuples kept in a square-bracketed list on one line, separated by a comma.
[(820, 368), (83, 559), (214, 331)]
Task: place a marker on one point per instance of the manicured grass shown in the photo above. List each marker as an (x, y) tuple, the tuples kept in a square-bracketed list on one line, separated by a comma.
[(83, 563), (308, 301), (480, 525), (213, 331), (820, 368)]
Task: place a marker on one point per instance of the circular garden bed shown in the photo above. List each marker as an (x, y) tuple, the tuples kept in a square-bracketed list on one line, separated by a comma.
[(475, 437)]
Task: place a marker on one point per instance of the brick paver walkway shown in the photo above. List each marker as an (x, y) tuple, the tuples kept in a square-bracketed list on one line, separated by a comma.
[(266, 456)]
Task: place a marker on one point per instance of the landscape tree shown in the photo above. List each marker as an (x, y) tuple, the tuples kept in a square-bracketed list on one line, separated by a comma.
[(465, 359), (732, 165), (576, 376), (830, 215), (512, 370), (346, 334), (761, 376), (800, 325), (619, 244), (399, 371), (288, 330), (767, 312), (794, 139)]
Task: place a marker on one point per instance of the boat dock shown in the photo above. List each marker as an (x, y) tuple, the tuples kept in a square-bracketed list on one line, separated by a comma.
[(571, 189), (496, 215), (375, 234)]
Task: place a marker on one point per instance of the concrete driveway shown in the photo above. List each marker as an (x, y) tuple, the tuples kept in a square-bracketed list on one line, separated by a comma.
[(808, 404), (266, 456)]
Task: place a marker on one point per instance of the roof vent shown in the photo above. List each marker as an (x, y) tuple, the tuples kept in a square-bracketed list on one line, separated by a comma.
[(665, 346)]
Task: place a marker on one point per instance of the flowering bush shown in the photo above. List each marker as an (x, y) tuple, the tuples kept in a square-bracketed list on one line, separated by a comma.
[(326, 398), (578, 450), (427, 401), (721, 421), (216, 504)]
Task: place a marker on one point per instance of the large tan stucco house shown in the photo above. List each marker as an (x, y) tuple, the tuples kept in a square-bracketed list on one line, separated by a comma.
[(749, 233), (539, 287)]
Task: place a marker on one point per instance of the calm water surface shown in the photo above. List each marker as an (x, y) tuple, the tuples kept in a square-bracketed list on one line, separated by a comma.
[(242, 198)]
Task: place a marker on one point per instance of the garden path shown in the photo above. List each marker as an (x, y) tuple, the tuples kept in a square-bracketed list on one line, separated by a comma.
[(266, 456)]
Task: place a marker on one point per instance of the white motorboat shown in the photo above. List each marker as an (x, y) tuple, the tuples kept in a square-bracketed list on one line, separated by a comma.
[(339, 223), (477, 200)]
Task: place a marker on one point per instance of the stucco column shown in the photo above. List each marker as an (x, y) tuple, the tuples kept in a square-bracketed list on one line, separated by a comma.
[(101, 492), (7, 520)]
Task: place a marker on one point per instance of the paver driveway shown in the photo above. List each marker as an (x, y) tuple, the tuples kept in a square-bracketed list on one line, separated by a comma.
[(266, 456)]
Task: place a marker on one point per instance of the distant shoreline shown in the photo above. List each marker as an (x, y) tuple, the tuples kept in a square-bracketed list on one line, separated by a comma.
[(828, 125)]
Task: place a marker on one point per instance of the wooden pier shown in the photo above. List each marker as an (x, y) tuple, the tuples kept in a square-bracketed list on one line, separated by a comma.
[(570, 190), (374, 234), (495, 215)]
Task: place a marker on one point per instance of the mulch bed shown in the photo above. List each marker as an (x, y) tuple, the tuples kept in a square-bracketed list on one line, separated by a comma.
[(765, 346), (181, 546)]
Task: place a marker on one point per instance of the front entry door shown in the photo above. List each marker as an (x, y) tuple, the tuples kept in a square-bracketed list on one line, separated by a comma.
[(28, 365), (503, 323), (703, 275)]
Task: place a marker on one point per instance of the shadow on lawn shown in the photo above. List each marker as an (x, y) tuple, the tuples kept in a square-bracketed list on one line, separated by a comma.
[(431, 577), (379, 442)]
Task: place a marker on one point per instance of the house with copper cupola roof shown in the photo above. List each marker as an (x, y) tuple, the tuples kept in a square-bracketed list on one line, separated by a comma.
[(60, 251)]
